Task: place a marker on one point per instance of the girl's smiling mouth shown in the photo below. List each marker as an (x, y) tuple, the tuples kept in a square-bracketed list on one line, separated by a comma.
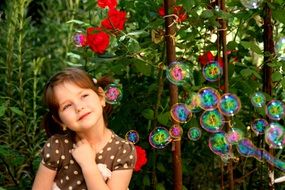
[(83, 116)]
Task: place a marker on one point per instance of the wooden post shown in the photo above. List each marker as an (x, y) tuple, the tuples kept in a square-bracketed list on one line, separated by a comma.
[(170, 31), (269, 53), (222, 34)]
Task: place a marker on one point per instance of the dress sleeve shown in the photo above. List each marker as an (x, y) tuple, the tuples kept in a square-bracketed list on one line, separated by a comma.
[(125, 157), (51, 153)]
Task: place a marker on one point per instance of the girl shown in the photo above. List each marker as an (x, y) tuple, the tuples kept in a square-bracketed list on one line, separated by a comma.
[(81, 153)]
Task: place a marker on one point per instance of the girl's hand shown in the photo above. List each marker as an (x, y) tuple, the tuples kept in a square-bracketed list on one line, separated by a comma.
[(84, 153)]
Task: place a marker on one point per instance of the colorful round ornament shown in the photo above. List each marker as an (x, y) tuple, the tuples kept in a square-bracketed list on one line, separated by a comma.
[(176, 131), (113, 93), (180, 113), (194, 133), (258, 99), (79, 40), (275, 109), (259, 125), (229, 104), (234, 135), (212, 71), (246, 148), (178, 73), (280, 48), (209, 98), (218, 144), (275, 135), (159, 138), (193, 102), (132, 136), (212, 121)]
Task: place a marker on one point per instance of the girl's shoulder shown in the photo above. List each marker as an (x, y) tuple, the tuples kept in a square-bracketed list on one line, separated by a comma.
[(56, 149), (121, 152), (59, 141), (119, 142)]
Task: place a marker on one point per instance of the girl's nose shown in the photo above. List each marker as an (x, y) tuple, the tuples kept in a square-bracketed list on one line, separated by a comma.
[(79, 109)]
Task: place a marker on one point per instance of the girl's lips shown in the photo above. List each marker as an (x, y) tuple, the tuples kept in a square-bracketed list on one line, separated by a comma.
[(83, 116)]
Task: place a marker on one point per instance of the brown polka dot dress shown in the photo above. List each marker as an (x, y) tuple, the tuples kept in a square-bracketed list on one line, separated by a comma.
[(118, 154)]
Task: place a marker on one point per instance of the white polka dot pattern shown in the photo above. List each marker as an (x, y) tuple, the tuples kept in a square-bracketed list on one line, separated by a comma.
[(117, 154)]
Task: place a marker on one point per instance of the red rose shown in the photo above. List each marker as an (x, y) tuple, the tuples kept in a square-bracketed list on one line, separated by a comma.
[(141, 158), (209, 57), (107, 3), (180, 12), (177, 10), (221, 62), (222, 87), (116, 20), (206, 58), (161, 11), (97, 39)]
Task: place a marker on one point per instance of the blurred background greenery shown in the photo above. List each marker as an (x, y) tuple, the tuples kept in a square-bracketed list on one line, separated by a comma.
[(37, 40)]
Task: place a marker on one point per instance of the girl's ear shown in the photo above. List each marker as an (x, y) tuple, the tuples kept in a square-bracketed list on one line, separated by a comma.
[(102, 96)]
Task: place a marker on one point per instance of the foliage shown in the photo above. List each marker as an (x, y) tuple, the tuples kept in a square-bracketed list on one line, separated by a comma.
[(37, 41)]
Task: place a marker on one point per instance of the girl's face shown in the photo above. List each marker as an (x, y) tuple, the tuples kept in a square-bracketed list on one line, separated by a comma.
[(79, 108)]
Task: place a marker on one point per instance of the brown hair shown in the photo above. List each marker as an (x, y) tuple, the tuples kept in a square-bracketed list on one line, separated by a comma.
[(51, 121)]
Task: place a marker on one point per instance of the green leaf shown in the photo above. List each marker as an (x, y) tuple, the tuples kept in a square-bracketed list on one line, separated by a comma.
[(252, 46), (148, 114), (78, 22), (231, 69), (184, 188), (283, 82), (246, 72), (142, 67), (73, 55), (278, 14), (256, 74), (276, 76), (207, 14), (255, 48), (2, 110), (146, 180), (11, 156), (160, 186), (261, 111), (17, 111), (232, 45), (133, 45), (163, 118), (137, 33), (161, 167), (187, 5), (73, 64)]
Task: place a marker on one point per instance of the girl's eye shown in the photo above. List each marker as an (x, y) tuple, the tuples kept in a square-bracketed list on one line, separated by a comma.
[(85, 95), (66, 106)]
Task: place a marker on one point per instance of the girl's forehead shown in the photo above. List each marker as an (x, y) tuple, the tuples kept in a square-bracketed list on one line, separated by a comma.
[(67, 85), (67, 89)]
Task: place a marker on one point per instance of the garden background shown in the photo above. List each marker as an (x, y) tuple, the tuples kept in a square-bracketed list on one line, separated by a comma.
[(37, 40)]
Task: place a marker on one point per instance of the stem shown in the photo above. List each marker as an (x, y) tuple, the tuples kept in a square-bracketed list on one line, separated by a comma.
[(170, 33), (9, 171), (269, 53), (222, 34), (11, 19)]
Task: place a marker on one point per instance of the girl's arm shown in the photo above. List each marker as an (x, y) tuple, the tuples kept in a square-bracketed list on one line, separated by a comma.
[(84, 154), (44, 179), (119, 181)]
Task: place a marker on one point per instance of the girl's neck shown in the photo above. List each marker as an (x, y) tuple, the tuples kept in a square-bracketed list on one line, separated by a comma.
[(97, 137)]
